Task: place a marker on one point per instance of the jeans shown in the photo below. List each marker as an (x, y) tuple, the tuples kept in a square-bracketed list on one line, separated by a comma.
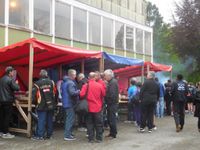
[(160, 108), (147, 114), (179, 113), (131, 116), (137, 114), (168, 100), (112, 119), (5, 115), (45, 123), (69, 121), (95, 123)]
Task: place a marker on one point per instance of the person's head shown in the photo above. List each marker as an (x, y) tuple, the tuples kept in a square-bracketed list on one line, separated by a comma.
[(150, 75), (97, 75), (133, 81), (80, 76), (156, 79), (108, 74), (10, 71), (43, 73), (169, 81), (72, 74), (179, 77), (92, 76)]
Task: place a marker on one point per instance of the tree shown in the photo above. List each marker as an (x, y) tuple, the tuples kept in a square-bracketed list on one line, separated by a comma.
[(186, 32)]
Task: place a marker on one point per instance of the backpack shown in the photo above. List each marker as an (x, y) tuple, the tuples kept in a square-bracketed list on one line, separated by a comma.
[(45, 92), (135, 99)]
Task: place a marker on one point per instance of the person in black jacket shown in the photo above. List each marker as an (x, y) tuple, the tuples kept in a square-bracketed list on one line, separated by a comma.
[(7, 88), (44, 98), (149, 95), (179, 92), (197, 105), (112, 99)]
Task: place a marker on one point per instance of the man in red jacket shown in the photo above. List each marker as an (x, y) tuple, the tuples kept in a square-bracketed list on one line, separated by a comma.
[(95, 104)]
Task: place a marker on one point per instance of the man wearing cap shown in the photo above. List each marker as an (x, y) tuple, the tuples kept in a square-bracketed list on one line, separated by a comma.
[(7, 88)]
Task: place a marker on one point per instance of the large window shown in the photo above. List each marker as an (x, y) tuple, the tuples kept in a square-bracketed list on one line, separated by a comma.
[(129, 38), (139, 41), (94, 29), (147, 43), (19, 12), (42, 15), (79, 25), (2, 10), (107, 32), (62, 20), (119, 35)]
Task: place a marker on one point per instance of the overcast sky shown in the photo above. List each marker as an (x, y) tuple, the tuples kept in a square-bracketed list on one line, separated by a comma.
[(166, 8)]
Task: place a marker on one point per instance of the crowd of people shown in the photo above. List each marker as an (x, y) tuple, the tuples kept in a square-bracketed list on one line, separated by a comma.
[(155, 100), (101, 91)]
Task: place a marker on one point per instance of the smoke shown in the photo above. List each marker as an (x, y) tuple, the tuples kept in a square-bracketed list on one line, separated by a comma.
[(163, 77)]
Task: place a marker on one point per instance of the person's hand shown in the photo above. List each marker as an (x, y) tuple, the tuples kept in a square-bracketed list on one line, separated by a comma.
[(17, 82)]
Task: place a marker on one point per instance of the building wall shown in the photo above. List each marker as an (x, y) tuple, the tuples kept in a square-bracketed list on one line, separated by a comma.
[(129, 9), (77, 24)]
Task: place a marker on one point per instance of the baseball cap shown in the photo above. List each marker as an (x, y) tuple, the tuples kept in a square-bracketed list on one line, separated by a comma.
[(9, 69)]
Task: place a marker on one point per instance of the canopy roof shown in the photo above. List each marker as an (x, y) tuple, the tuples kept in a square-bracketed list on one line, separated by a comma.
[(131, 71), (45, 54)]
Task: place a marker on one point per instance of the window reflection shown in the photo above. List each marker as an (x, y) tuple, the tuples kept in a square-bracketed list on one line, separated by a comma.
[(94, 29), (19, 12), (62, 20), (42, 16), (2, 10), (107, 32), (119, 35), (139, 41), (147, 43), (79, 25), (129, 38)]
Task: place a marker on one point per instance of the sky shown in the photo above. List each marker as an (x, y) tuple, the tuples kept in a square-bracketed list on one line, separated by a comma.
[(166, 8)]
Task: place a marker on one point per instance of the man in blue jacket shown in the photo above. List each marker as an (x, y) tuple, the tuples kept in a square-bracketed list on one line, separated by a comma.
[(70, 95), (160, 104)]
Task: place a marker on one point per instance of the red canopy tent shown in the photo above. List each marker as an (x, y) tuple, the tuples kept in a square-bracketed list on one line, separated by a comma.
[(45, 55), (134, 71), (34, 54)]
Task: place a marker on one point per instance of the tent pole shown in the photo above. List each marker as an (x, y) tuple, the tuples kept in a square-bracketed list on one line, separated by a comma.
[(60, 72), (31, 55), (142, 80), (83, 66), (171, 75), (101, 64), (148, 68)]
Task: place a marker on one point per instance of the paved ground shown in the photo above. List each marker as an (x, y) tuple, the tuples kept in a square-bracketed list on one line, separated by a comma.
[(165, 138)]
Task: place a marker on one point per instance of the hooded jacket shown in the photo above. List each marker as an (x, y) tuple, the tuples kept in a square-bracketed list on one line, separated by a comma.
[(69, 92)]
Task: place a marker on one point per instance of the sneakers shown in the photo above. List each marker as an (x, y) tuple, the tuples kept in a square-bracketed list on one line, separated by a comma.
[(142, 130), (71, 138), (7, 136), (178, 128), (82, 129), (37, 138), (150, 130), (127, 121), (154, 128), (1, 133)]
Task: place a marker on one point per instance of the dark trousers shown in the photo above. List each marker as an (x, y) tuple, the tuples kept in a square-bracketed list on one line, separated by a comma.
[(112, 119), (137, 114), (147, 114), (168, 105), (5, 114), (131, 116), (179, 113), (81, 119), (95, 124), (198, 122)]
